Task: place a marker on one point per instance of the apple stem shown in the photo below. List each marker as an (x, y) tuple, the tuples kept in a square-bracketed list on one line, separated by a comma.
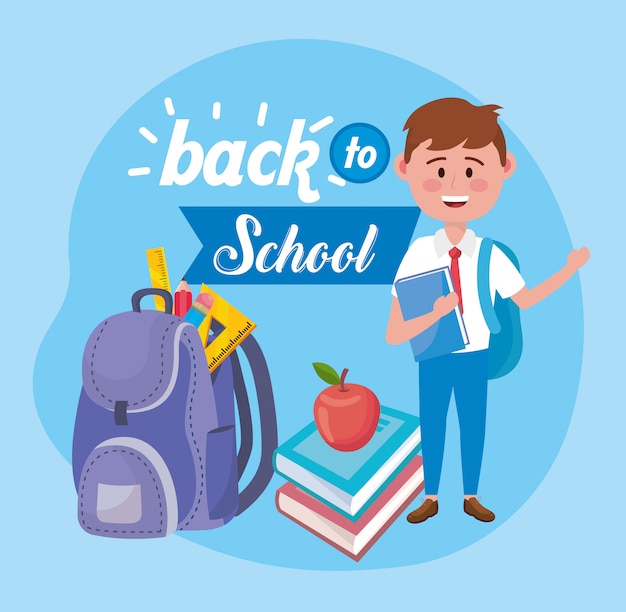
[(343, 378)]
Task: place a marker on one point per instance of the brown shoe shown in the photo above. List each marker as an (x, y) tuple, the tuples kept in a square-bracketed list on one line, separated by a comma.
[(429, 508), (474, 508)]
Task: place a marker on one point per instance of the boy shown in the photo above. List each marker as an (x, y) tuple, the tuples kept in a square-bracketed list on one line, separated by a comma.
[(455, 162)]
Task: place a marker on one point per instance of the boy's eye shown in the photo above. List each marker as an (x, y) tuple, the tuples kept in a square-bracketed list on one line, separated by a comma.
[(441, 172), (468, 173)]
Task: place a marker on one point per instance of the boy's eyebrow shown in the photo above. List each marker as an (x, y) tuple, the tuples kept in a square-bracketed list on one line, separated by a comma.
[(476, 160), (435, 159)]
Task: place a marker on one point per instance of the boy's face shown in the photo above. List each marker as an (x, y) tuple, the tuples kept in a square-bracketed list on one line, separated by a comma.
[(455, 185)]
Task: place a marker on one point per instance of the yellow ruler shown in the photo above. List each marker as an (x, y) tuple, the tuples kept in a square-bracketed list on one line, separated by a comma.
[(236, 328), (158, 274)]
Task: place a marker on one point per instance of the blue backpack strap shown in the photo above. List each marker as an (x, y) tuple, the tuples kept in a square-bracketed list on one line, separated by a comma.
[(484, 290), (502, 315)]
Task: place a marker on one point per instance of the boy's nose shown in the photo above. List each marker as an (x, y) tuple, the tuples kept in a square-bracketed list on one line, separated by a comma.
[(452, 179)]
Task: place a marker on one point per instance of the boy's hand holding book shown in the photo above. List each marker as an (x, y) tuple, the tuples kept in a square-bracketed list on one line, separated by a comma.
[(426, 313), (445, 304)]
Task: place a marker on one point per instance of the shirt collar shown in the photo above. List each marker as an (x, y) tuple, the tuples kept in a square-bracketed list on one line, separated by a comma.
[(467, 245)]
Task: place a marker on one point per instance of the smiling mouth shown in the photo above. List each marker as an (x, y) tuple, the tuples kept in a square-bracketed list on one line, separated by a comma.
[(454, 201)]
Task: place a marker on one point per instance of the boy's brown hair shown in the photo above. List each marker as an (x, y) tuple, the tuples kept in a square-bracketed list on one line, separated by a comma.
[(452, 121)]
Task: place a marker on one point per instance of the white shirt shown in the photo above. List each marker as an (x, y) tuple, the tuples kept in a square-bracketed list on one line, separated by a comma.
[(430, 252)]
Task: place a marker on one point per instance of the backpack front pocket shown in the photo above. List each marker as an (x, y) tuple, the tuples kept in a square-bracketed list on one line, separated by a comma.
[(126, 491)]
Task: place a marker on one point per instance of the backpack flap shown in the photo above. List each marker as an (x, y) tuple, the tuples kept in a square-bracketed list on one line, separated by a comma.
[(130, 362)]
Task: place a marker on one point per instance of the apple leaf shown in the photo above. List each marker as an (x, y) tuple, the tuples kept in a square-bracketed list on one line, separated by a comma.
[(327, 373)]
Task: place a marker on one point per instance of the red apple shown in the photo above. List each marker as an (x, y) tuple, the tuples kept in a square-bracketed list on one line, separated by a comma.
[(346, 415)]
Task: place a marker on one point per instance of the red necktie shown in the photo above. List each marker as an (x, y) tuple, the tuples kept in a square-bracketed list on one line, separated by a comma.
[(454, 271)]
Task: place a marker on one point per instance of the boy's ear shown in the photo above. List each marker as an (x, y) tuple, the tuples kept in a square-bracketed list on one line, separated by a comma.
[(509, 165), (399, 165)]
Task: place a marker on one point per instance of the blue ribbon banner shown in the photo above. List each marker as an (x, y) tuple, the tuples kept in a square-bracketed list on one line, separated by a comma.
[(299, 245)]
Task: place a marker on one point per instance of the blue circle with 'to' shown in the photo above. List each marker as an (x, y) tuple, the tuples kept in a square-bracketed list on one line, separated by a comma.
[(359, 153)]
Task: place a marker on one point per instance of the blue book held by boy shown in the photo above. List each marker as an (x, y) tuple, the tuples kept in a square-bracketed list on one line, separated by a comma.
[(350, 481), (416, 295)]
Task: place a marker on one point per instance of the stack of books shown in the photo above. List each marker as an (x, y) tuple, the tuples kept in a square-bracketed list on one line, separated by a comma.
[(349, 499)]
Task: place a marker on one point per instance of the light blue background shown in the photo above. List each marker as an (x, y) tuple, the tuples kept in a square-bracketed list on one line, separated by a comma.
[(339, 323), (70, 71)]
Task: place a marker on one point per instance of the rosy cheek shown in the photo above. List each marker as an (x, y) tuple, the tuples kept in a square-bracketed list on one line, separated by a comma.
[(431, 185), (479, 185)]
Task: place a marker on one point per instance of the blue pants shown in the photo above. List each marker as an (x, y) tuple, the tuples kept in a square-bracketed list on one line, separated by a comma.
[(466, 375)]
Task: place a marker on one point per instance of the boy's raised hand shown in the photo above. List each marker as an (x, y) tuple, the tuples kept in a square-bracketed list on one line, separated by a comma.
[(577, 258)]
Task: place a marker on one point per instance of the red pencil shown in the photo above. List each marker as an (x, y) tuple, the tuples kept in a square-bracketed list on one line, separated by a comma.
[(182, 299)]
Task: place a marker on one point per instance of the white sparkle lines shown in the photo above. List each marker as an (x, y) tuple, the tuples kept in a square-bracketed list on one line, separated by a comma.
[(139, 171), (322, 123), (336, 180), (260, 119), (169, 106), (217, 110), (148, 135), (151, 138)]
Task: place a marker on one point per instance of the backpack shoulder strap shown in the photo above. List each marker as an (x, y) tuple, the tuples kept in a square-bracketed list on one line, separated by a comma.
[(267, 413), (245, 416), (484, 290)]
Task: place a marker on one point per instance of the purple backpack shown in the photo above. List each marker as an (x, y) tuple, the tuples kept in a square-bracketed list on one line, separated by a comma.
[(155, 446)]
